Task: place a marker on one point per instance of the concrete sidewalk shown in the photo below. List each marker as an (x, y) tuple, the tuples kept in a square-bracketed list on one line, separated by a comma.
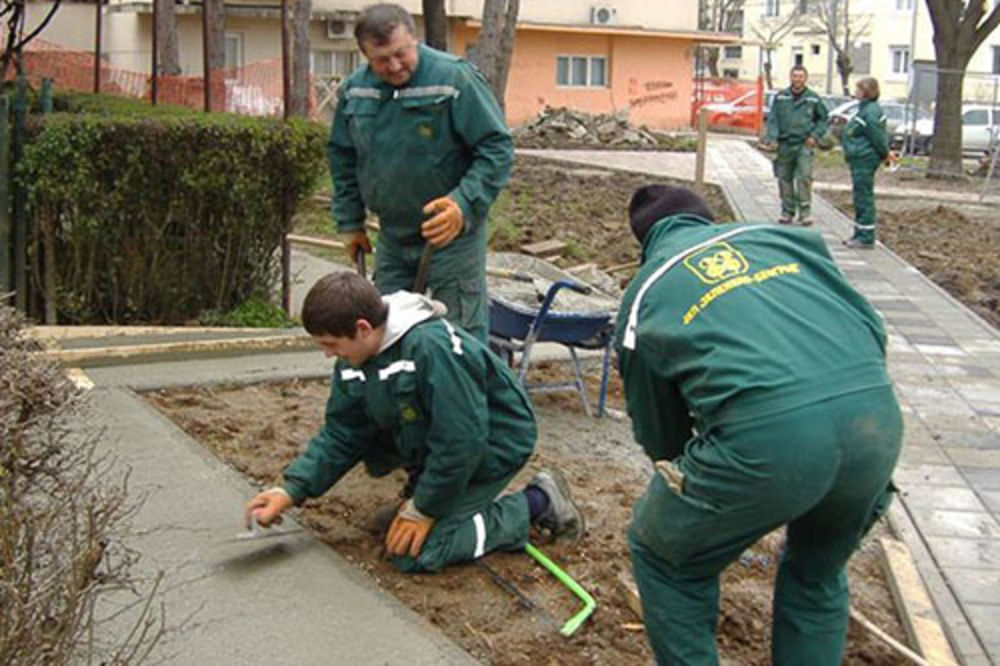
[(946, 365)]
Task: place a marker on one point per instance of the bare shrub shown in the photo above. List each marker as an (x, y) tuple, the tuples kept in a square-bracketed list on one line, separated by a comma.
[(63, 508)]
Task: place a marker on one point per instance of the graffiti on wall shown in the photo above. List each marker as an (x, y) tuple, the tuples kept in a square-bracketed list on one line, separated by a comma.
[(644, 93)]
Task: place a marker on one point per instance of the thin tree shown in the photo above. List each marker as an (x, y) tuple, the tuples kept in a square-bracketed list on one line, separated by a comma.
[(216, 43), (771, 32), (299, 95), (841, 29), (493, 50), (14, 13), (168, 57), (435, 24), (718, 16), (960, 27)]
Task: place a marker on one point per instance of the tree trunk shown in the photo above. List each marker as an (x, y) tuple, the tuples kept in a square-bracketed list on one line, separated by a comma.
[(301, 81), (767, 73), (435, 24), (496, 43), (168, 58), (217, 52), (844, 69), (946, 152), (712, 60)]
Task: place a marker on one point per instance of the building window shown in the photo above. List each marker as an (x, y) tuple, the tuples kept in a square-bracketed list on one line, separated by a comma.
[(815, 49), (899, 60), (234, 50), (798, 57), (333, 64), (582, 71), (734, 52), (771, 8), (904, 5), (996, 59), (730, 73), (861, 58)]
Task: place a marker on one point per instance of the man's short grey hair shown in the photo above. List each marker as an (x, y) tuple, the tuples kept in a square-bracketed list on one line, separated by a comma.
[(377, 23)]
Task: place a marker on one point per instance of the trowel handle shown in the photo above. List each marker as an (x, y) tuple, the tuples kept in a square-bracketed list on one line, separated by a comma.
[(359, 262)]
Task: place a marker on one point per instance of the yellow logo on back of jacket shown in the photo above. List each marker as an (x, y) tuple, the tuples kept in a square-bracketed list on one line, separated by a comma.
[(717, 262)]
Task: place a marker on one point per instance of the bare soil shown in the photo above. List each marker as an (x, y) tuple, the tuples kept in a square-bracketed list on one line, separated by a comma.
[(955, 246), (257, 429), (586, 207)]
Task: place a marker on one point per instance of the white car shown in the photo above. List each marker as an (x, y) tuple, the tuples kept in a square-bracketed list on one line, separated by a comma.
[(980, 128)]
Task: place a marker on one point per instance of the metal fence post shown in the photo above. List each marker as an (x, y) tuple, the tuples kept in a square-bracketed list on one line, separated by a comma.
[(20, 262), (6, 249)]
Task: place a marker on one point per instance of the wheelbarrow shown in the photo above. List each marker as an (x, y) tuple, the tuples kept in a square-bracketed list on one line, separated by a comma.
[(526, 308)]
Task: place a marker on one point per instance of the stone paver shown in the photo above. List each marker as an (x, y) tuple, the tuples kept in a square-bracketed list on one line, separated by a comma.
[(945, 362)]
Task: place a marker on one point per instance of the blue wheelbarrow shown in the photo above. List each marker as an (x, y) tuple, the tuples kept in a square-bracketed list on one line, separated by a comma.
[(525, 310)]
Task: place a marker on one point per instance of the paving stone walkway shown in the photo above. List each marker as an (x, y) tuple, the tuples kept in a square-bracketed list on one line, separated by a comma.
[(945, 362)]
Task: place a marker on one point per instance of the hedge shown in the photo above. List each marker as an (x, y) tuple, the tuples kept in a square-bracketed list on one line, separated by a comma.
[(155, 215)]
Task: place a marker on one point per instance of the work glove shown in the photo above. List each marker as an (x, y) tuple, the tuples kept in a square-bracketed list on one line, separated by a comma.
[(811, 142), (446, 224), (356, 242), (268, 505), (408, 531), (892, 160)]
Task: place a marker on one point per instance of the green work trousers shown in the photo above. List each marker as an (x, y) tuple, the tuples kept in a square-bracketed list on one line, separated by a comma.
[(863, 193), (480, 523), (457, 275), (793, 167), (824, 470)]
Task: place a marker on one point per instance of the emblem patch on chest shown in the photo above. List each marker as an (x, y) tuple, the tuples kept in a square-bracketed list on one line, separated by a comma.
[(409, 413), (425, 131), (717, 262)]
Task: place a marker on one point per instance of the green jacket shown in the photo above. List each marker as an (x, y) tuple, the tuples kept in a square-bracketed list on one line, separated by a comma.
[(864, 137), (393, 150), (733, 322), (793, 119), (433, 397)]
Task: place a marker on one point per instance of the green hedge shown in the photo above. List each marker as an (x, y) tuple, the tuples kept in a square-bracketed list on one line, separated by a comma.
[(156, 215)]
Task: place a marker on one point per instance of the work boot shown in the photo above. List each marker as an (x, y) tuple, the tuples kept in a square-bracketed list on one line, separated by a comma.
[(805, 221), (858, 244), (785, 219), (563, 517)]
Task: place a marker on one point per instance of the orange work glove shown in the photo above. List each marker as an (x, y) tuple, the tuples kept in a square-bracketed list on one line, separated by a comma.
[(268, 505), (408, 531), (357, 240), (446, 225)]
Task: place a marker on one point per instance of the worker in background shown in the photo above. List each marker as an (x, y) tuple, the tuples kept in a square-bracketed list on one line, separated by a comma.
[(418, 139), (866, 146), (796, 125), (755, 378), (411, 390)]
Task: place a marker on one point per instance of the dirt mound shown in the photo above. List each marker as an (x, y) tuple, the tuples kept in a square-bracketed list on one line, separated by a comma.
[(567, 128)]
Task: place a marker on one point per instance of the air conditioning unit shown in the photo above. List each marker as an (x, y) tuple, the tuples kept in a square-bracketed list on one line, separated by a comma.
[(603, 15), (339, 29)]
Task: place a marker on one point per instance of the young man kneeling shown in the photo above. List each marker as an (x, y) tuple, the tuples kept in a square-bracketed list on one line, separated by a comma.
[(411, 390)]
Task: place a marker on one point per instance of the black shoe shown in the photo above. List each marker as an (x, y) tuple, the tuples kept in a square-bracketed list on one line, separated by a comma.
[(805, 221), (857, 244), (563, 517)]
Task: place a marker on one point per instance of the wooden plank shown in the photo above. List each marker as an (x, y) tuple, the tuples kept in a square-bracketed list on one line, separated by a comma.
[(314, 241), (630, 592), (917, 612), (544, 248)]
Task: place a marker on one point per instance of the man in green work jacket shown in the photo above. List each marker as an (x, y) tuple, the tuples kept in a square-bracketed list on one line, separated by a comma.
[(797, 123), (418, 138), (410, 389), (755, 379)]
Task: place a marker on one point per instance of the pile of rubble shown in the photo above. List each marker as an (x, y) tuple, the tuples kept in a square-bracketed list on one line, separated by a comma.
[(558, 128)]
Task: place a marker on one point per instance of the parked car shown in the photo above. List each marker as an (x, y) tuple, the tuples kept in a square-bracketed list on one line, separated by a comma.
[(980, 129), (897, 116), (739, 112)]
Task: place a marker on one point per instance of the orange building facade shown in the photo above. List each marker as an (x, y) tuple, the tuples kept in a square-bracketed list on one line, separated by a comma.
[(647, 73)]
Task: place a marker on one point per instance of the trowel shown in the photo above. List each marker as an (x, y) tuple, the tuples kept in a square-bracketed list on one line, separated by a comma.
[(256, 532)]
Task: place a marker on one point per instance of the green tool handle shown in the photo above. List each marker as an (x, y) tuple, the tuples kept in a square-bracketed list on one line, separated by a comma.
[(589, 604)]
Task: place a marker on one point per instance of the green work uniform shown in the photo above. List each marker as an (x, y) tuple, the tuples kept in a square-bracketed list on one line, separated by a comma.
[(433, 397), (393, 150), (755, 377), (793, 119), (865, 145)]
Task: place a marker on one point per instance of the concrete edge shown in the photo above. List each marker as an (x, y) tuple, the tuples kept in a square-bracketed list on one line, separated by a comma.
[(945, 602)]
